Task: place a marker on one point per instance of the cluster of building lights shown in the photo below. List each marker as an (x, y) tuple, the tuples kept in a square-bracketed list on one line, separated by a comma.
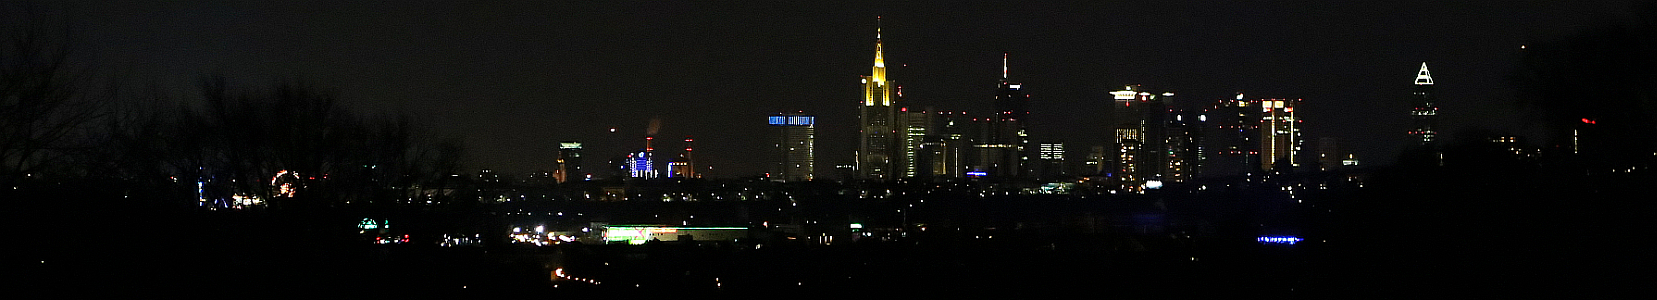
[(541, 237)]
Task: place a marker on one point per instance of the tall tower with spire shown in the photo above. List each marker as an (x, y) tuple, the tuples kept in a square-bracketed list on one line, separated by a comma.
[(1008, 133), (1425, 110), (878, 150)]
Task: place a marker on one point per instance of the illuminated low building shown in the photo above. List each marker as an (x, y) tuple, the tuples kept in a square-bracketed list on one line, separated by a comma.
[(639, 234), (639, 165)]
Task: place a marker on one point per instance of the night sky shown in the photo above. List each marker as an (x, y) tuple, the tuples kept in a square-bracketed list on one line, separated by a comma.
[(514, 79)]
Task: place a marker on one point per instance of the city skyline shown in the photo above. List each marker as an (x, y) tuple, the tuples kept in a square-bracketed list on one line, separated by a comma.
[(572, 73), (692, 149)]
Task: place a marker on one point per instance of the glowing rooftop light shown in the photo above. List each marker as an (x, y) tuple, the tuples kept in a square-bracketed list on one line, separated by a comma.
[(1423, 77)]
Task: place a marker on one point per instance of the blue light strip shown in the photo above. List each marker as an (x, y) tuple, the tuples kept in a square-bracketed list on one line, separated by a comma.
[(792, 120), (1279, 240)]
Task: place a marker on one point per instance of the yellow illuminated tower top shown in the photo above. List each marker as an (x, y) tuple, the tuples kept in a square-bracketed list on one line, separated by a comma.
[(874, 85)]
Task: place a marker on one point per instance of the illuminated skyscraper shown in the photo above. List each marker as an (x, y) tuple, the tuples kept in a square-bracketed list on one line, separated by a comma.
[(1280, 139), (796, 139), (879, 146), (1153, 143), (1184, 152), (569, 162), (1008, 136), (1155, 153), (1425, 111), (912, 125), (1128, 167)]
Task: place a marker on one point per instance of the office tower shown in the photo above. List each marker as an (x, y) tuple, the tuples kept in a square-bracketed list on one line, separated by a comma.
[(1280, 139), (569, 162), (956, 135), (1140, 130), (685, 167), (985, 157), (1128, 126), (1154, 155), (933, 159), (1425, 111), (1051, 158), (796, 135), (879, 143), (1185, 156), (1233, 141), (1008, 134), (913, 130)]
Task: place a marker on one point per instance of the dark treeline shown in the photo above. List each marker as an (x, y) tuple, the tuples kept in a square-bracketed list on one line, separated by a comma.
[(66, 119), (105, 183)]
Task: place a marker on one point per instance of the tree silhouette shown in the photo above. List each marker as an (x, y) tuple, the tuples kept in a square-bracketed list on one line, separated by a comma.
[(46, 101)]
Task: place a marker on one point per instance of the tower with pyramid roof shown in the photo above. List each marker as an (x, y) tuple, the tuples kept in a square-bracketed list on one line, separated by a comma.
[(1424, 113)]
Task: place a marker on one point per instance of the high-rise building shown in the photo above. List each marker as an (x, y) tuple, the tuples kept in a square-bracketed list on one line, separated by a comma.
[(1184, 152), (1153, 144), (879, 146), (913, 129), (1128, 167), (956, 134), (1234, 138), (569, 162), (795, 141), (1008, 130), (1051, 158), (1154, 153), (1280, 139), (1425, 111)]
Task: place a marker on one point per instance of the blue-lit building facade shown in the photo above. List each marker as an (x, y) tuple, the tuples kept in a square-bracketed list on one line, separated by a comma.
[(794, 148)]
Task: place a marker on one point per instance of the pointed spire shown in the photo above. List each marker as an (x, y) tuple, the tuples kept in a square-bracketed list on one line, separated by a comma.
[(1003, 66), (880, 62), (1423, 77)]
